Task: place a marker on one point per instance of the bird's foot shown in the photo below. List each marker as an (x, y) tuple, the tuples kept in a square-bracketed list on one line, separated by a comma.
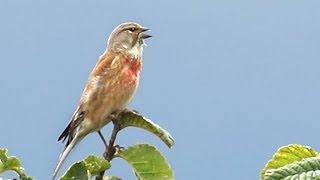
[(118, 148)]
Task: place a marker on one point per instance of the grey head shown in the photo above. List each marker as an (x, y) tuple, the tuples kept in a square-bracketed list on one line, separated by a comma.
[(126, 36)]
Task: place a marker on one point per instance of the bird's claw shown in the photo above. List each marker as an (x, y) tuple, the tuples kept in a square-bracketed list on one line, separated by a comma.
[(118, 147)]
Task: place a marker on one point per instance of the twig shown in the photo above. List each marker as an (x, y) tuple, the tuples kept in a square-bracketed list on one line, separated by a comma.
[(111, 150)]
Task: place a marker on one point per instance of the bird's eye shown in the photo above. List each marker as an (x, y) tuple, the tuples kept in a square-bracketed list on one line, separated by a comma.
[(132, 29)]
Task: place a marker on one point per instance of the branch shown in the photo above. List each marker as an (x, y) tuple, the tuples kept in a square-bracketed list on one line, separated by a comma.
[(111, 149)]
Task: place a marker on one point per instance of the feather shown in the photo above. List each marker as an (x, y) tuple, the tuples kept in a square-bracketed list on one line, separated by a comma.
[(65, 153)]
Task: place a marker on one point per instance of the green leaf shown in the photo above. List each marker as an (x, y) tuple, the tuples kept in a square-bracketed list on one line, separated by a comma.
[(306, 169), (287, 155), (77, 171), (111, 178), (26, 178), (130, 118), (8, 162), (96, 164), (147, 162), (3, 155), (85, 169), (12, 163)]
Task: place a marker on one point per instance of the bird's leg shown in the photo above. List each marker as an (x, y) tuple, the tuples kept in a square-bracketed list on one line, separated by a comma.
[(103, 139), (110, 150)]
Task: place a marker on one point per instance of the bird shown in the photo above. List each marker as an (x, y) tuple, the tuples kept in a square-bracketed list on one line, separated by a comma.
[(110, 87)]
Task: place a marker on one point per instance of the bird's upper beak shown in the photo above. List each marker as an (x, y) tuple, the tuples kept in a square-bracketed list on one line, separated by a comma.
[(145, 36)]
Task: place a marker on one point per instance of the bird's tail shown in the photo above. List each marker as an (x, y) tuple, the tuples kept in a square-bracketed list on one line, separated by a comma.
[(64, 154)]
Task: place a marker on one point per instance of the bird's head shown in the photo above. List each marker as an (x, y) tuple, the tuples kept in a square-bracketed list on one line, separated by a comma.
[(127, 37)]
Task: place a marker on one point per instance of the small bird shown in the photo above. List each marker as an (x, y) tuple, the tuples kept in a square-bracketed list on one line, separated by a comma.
[(110, 88)]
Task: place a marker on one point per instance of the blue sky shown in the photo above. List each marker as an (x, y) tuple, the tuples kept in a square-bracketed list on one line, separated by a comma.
[(231, 80)]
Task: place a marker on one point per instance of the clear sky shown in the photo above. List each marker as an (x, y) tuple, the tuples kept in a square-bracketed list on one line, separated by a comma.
[(231, 80)]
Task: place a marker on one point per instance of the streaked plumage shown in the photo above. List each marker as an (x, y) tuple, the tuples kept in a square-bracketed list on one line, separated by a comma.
[(110, 87)]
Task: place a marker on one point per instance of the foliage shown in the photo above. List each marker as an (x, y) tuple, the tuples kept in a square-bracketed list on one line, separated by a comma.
[(87, 168), (11, 163), (147, 162), (293, 161), (133, 119)]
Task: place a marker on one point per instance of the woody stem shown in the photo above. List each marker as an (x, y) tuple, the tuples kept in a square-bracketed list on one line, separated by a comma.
[(110, 150)]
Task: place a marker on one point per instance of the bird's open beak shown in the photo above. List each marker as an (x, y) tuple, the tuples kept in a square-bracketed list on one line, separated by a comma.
[(145, 36)]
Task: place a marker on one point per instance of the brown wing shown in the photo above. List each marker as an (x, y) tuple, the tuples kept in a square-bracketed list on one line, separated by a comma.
[(69, 130), (79, 115)]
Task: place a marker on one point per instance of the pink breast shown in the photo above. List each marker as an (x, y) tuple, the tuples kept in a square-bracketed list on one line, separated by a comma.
[(132, 70), (135, 67)]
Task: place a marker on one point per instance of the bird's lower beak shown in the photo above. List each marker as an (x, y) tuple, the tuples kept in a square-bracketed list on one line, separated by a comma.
[(145, 36)]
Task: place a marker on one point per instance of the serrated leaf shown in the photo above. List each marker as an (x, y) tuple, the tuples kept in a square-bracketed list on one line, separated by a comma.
[(148, 163), (96, 164), (11, 163), (77, 171), (3, 155), (305, 169), (288, 154), (85, 169), (8, 162), (130, 118), (26, 178), (111, 178)]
